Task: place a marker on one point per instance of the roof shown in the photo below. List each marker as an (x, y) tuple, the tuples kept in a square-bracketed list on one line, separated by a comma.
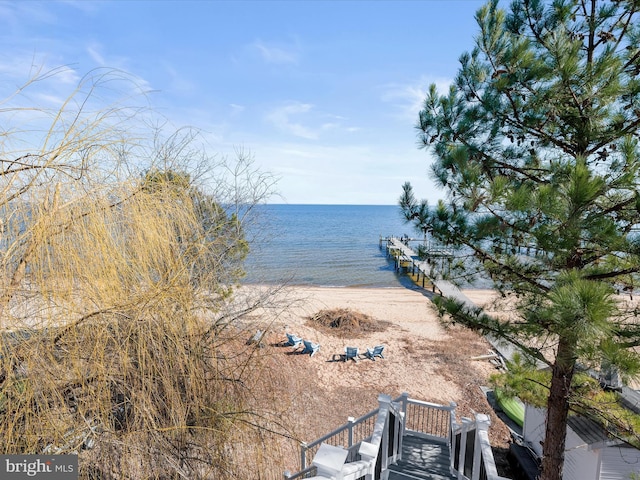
[(593, 435), (630, 399)]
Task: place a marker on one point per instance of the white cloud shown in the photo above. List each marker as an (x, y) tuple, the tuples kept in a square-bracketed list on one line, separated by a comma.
[(83, 6), (277, 54), (102, 59), (408, 98), (64, 75), (345, 173), (280, 117), (236, 109), (329, 126), (95, 55), (283, 118), (24, 66), (115, 63), (13, 12), (178, 82), (112, 68)]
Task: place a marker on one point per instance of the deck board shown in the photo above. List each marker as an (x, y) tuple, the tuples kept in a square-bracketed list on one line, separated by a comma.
[(422, 460)]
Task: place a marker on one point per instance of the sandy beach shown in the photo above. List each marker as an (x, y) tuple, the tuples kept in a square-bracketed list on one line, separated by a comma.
[(421, 357)]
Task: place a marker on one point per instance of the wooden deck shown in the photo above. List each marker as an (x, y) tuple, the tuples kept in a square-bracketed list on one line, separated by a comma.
[(422, 460)]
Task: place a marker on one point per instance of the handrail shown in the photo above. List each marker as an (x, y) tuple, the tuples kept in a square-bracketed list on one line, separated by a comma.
[(422, 418), (301, 474), (348, 427), (378, 451)]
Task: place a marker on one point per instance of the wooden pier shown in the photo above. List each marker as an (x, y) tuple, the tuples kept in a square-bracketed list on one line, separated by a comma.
[(405, 257)]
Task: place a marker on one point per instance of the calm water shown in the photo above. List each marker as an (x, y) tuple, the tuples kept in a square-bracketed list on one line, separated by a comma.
[(324, 245)]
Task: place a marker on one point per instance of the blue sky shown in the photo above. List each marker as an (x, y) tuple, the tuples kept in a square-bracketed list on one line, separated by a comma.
[(324, 94)]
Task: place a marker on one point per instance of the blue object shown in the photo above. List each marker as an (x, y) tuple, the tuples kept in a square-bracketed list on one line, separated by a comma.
[(351, 353), (293, 340), (374, 352), (310, 347)]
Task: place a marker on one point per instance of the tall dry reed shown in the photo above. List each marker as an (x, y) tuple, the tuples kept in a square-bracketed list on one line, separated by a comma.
[(118, 337)]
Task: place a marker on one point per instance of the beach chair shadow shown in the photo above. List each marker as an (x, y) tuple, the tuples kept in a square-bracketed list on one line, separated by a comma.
[(310, 347), (351, 353), (374, 352)]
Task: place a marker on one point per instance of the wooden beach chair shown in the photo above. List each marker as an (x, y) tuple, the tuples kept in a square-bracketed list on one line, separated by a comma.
[(257, 338), (293, 340), (374, 352), (310, 347), (351, 353)]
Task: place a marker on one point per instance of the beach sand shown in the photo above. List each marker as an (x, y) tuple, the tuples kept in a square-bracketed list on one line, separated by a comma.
[(421, 357)]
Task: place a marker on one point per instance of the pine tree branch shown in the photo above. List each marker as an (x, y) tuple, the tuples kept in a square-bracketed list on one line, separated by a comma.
[(592, 30), (613, 274), (485, 257), (478, 320), (537, 35)]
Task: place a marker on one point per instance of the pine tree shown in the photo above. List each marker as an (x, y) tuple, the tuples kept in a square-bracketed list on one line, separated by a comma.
[(537, 146)]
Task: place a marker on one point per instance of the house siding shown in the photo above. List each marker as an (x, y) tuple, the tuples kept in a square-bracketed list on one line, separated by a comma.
[(581, 464), (609, 463), (533, 428)]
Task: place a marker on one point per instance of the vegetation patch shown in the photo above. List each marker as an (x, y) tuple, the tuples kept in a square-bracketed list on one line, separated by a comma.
[(342, 322)]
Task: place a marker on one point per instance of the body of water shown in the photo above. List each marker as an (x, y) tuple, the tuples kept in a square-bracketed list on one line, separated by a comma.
[(324, 245)]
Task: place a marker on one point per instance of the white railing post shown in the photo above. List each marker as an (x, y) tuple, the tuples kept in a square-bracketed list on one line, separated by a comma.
[(482, 425), (350, 422), (384, 402), (398, 431), (452, 449), (404, 399), (452, 415), (452, 436), (303, 455), (404, 402), (464, 432)]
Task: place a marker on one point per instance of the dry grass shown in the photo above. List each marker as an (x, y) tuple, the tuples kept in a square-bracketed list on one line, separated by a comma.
[(311, 406), (116, 341), (138, 398)]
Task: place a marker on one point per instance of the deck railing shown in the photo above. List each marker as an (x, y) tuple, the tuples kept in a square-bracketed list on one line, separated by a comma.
[(347, 436), (430, 420), (382, 430), (379, 430), (470, 449)]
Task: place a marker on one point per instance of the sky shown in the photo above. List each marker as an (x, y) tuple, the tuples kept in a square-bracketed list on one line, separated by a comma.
[(324, 95)]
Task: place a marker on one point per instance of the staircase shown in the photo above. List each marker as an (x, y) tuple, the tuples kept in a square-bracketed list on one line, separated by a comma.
[(422, 460)]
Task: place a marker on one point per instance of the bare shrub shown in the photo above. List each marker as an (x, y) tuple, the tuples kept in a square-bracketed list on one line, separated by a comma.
[(119, 261)]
